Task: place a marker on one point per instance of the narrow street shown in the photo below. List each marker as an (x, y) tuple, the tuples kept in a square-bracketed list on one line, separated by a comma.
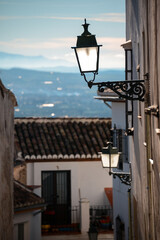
[(108, 236)]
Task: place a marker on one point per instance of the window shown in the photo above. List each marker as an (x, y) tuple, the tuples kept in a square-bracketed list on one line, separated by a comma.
[(120, 141), (120, 229), (21, 231), (128, 76)]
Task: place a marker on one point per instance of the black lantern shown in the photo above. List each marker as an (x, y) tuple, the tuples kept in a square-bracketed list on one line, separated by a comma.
[(87, 52), (110, 157)]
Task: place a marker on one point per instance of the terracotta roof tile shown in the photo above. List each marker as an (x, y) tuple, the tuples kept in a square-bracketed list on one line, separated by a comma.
[(55, 138), (24, 197)]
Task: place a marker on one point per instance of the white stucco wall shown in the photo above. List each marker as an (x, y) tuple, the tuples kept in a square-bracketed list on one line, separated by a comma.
[(32, 225), (118, 115), (120, 204), (88, 179), (120, 191)]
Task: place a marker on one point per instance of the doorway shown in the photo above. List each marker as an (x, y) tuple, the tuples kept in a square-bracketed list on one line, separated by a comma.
[(56, 191)]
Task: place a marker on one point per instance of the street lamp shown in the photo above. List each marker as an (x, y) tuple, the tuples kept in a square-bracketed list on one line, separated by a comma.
[(87, 55), (87, 52), (110, 159)]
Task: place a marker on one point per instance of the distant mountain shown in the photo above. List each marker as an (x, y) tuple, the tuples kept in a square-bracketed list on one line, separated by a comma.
[(56, 94), (40, 63), (8, 61)]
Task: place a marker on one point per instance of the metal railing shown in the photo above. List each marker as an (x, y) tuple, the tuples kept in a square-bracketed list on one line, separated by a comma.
[(73, 225), (101, 217)]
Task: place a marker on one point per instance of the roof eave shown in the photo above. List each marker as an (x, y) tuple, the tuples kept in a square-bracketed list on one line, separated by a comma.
[(29, 208)]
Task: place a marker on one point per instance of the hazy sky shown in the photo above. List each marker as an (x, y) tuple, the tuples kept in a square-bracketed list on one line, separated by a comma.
[(50, 27)]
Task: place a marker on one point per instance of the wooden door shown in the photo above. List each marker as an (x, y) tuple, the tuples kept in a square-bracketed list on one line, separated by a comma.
[(56, 190)]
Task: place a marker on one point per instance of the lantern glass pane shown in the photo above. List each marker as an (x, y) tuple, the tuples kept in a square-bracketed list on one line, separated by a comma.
[(114, 160), (106, 160), (88, 59)]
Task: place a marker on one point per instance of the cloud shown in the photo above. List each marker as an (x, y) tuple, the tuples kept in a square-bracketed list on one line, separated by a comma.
[(110, 17), (107, 17), (111, 54), (28, 44), (108, 43), (110, 61)]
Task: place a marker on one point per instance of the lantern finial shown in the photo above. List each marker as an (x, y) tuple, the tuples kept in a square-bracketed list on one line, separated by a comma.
[(85, 25)]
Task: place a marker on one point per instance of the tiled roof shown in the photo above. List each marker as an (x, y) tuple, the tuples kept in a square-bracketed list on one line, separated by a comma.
[(60, 138), (25, 198)]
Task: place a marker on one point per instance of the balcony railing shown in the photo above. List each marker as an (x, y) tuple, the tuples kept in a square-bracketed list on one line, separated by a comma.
[(101, 217), (74, 226)]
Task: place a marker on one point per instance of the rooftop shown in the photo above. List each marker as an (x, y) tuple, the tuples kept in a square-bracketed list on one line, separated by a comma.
[(25, 198), (109, 96), (60, 138)]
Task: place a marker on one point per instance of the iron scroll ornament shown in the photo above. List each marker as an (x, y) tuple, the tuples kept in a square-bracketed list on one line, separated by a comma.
[(130, 90), (124, 177)]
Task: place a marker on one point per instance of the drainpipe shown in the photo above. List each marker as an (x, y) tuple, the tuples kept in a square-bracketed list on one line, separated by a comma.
[(130, 214), (149, 187)]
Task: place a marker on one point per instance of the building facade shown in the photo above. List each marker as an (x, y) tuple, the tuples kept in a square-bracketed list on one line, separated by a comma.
[(27, 211), (119, 140), (142, 126), (7, 103), (142, 29), (63, 165)]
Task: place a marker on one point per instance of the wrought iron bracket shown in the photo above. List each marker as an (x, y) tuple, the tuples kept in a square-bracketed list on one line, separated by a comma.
[(130, 90), (124, 177), (152, 110)]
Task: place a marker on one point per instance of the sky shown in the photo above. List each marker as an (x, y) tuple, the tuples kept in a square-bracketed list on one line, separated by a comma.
[(50, 28)]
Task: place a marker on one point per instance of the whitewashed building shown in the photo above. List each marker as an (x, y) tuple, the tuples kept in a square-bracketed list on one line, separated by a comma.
[(119, 140), (63, 165), (27, 213)]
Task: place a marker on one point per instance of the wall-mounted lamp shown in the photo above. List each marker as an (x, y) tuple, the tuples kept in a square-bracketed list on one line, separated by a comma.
[(110, 159), (87, 54)]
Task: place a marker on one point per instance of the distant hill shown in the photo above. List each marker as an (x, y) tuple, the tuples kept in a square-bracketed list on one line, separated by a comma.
[(55, 94), (8, 61)]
